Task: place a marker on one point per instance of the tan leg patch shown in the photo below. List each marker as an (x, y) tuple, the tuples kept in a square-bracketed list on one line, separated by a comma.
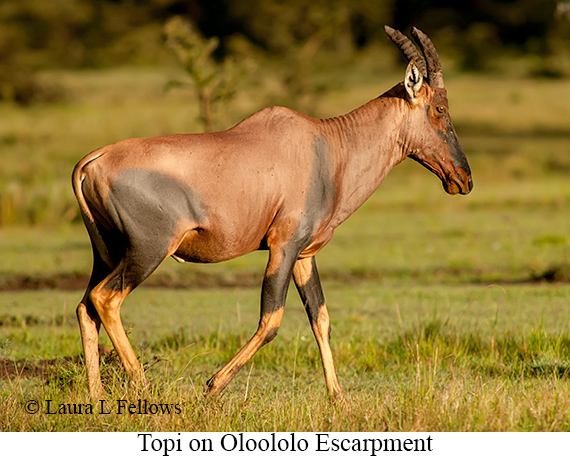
[(268, 326), (321, 330), (302, 271), (90, 340), (108, 304)]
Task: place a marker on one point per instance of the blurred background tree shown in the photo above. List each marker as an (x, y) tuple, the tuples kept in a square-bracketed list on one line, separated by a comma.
[(306, 38), (214, 82)]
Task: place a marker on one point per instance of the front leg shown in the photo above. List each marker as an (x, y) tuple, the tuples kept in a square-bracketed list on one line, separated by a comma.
[(273, 295), (308, 284)]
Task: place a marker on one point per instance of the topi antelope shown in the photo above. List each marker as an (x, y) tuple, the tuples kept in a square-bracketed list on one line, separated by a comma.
[(278, 181)]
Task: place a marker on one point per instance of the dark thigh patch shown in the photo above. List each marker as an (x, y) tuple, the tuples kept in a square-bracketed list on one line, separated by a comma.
[(147, 206)]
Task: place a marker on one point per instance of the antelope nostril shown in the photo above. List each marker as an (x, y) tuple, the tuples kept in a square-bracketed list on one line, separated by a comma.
[(462, 174)]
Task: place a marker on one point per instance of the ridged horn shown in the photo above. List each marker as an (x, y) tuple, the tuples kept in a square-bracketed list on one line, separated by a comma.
[(434, 73), (408, 48)]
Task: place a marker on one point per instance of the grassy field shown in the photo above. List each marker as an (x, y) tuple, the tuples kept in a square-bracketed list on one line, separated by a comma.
[(449, 313)]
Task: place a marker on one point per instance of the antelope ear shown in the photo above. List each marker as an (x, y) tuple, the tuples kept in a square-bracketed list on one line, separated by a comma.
[(413, 80)]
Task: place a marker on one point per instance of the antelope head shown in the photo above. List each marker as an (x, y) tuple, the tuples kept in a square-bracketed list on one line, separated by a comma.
[(430, 138)]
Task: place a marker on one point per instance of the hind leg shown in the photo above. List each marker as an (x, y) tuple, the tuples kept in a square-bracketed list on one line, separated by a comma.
[(135, 266), (89, 325)]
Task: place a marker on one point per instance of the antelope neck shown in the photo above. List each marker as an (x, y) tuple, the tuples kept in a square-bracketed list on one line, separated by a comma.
[(364, 148)]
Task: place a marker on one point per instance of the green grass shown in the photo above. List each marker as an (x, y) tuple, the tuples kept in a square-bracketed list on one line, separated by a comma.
[(409, 358), (449, 313)]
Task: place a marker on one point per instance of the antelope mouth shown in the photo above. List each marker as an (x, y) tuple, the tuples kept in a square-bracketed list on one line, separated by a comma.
[(460, 182), (455, 180)]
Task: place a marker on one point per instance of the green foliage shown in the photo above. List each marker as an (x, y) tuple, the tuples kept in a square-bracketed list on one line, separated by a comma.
[(302, 36), (215, 83), (79, 33), (302, 40)]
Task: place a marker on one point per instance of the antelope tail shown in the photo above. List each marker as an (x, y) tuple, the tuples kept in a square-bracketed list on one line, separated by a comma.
[(77, 178)]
